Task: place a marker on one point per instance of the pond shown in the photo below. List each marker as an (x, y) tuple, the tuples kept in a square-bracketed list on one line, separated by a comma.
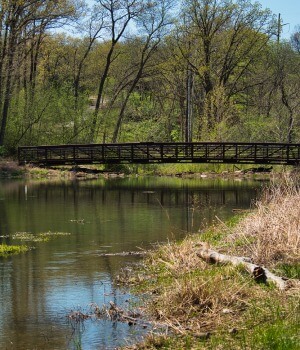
[(40, 288)]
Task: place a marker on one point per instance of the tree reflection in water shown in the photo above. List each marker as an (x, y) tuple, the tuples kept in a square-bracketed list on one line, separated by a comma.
[(39, 289)]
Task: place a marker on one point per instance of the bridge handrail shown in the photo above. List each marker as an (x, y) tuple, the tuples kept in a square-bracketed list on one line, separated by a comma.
[(162, 152)]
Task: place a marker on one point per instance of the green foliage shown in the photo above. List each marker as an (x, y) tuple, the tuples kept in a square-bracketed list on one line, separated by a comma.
[(3, 152), (51, 119), (146, 130), (248, 90), (255, 128)]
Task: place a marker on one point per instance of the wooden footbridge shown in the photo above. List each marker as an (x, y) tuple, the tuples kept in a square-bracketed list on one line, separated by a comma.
[(152, 152)]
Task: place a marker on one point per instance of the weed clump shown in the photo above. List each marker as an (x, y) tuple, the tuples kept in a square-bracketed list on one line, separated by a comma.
[(7, 250)]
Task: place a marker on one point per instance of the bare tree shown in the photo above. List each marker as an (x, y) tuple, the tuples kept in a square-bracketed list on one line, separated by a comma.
[(295, 40), (92, 28), (118, 15), (152, 25)]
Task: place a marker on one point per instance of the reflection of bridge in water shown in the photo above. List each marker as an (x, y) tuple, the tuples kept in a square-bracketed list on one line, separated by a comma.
[(185, 204), (150, 152)]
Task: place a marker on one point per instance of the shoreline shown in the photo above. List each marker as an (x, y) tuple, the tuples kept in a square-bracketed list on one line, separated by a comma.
[(197, 305), (9, 169), (221, 306)]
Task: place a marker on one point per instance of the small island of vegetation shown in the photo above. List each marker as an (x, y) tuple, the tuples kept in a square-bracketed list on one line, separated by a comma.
[(7, 250)]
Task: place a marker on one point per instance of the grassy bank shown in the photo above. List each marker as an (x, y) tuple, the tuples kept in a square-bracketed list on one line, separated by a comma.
[(198, 305), (11, 169)]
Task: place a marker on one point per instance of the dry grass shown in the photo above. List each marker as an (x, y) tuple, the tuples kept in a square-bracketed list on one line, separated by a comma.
[(200, 303), (271, 234), (178, 258), (191, 297)]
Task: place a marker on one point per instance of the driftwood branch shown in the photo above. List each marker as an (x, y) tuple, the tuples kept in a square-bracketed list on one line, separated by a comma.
[(259, 273)]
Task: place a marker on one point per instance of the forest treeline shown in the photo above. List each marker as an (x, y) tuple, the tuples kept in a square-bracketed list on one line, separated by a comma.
[(140, 70)]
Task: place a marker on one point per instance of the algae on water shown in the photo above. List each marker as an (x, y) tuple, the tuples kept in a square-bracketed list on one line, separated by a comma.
[(40, 237)]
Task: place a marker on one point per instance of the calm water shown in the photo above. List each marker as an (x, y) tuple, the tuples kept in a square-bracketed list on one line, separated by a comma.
[(40, 288)]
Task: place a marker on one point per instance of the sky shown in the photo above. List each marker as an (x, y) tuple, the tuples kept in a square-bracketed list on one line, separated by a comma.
[(289, 11)]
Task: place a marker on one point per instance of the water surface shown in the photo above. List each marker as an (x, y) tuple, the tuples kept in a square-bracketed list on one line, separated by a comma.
[(40, 288)]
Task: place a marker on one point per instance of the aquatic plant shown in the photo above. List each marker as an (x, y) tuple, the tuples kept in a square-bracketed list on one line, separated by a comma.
[(7, 250), (40, 237)]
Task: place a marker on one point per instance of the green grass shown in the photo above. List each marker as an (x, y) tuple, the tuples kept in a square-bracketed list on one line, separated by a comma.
[(289, 270), (7, 250)]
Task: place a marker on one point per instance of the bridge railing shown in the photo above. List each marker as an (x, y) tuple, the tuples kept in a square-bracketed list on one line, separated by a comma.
[(196, 152)]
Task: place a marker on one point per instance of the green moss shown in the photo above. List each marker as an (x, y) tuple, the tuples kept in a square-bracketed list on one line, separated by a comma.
[(7, 250)]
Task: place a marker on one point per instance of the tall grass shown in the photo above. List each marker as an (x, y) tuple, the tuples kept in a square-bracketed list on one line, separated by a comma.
[(272, 232)]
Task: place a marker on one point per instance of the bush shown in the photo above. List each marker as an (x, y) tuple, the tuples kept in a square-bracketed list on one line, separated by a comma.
[(2, 151)]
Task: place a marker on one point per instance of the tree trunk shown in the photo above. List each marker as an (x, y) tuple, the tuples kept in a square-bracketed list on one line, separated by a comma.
[(8, 87), (100, 92), (260, 274)]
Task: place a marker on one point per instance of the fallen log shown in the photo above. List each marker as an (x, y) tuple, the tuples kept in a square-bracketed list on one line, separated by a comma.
[(259, 273)]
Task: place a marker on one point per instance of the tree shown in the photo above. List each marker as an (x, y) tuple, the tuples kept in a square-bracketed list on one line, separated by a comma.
[(152, 26), (23, 23), (117, 16), (225, 40), (286, 95), (91, 27), (295, 40)]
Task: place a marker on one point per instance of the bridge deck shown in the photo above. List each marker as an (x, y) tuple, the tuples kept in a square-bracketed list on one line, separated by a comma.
[(148, 152)]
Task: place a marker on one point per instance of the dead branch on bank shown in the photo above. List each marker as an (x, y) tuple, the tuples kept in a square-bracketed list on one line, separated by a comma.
[(113, 313), (259, 273)]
